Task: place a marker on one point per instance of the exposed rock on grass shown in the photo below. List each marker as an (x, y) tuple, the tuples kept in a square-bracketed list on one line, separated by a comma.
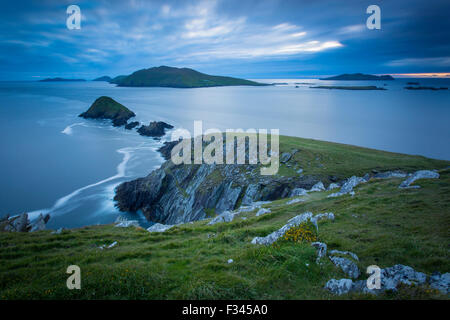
[(421, 174), (348, 267), (158, 227)]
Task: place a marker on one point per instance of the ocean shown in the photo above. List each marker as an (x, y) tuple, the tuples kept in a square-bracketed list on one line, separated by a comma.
[(53, 161)]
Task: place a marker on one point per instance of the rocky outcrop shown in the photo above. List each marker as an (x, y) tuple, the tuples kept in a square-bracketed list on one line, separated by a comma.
[(348, 267), (321, 250), (154, 129), (421, 174), (226, 216), (390, 278), (348, 186), (131, 125), (182, 193), (274, 236), (122, 222), (108, 108), (158, 227), (263, 211), (21, 223)]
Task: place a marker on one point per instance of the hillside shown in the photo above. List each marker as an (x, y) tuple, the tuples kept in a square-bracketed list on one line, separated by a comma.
[(178, 78), (381, 223), (61, 80), (104, 78), (359, 76)]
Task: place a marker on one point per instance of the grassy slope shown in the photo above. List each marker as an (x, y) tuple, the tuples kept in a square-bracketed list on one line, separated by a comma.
[(382, 224)]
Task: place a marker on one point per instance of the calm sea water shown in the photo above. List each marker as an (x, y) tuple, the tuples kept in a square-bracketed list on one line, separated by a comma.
[(53, 161)]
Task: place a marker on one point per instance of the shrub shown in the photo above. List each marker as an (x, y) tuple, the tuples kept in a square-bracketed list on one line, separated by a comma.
[(304, 232)]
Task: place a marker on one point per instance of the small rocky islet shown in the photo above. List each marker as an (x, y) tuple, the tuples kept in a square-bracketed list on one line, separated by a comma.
[(107, 108)]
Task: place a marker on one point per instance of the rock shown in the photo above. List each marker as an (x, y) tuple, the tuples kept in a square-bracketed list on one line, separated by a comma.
[(158, 227), (339, 287), (348, 186), (296, 200), (230, 261), (333, 186), (226, 216), (112, 245), (440, 282), (18, 223), (347, 266), (274, 236), (299, 171), (391, 277), (131, 125), (318, 187), (39, 223), (298, 192), (251, 193), (154, 129), (107, 108), (263, 211), (285, 157), (390, 174), (321, 216), (122, 222), (321, 250), (366, 177), (59, 231), (351, 254), (421, 174)]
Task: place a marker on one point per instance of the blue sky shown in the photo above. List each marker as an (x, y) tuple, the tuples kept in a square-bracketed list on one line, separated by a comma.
[(244, 38)]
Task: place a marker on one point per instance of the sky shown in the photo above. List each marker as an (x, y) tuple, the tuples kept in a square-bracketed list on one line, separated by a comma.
[(242, 38)]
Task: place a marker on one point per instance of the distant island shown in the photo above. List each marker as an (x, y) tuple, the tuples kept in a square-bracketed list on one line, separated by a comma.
[(359, 76), (178, 78), (107, 108), (349, 87), (104, 78), (61, 80), (426, 88)]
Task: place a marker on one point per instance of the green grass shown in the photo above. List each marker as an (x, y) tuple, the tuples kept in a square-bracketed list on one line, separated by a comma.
[(382, 224)]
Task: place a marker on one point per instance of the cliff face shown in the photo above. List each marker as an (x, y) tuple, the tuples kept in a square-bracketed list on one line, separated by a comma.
[(182, 193)]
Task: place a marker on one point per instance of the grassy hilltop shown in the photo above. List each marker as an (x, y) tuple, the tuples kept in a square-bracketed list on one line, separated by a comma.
[(382, 224)]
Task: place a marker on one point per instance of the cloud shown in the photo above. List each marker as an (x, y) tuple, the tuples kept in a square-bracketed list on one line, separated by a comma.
[(427, 62)]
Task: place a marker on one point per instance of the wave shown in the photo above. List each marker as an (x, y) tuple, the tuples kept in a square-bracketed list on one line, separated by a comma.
[(68, 130)]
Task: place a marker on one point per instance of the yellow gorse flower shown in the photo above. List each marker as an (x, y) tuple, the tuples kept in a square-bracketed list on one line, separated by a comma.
[(301, 233)]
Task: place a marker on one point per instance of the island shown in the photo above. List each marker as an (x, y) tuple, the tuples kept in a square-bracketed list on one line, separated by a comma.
[(154, 129), (61, 80), (165, 76), (359, 76), (104, 78), (426, 88), (349, 87), (107, 108)]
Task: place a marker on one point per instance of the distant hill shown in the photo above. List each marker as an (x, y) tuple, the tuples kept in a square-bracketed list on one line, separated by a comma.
[(104, 78), (359, 76), (107, 108), (178, 78), (61, 80)]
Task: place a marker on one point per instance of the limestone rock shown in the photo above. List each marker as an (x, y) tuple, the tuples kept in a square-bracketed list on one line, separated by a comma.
[(421, 174), (339, 287), (158, 227), (321, 250), (348, 267), (263, 211)]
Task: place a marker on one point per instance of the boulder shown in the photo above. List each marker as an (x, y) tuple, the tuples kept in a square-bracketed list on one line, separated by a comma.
[(389, 175), (321, 250), (285, 157), (263, 211), (298, 192), (351, 254), (348, 267), (339, 287), (333, 186), (154, 129), (39, 223), (348, 186), (131, 125), (318, 187), (440, 282)]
